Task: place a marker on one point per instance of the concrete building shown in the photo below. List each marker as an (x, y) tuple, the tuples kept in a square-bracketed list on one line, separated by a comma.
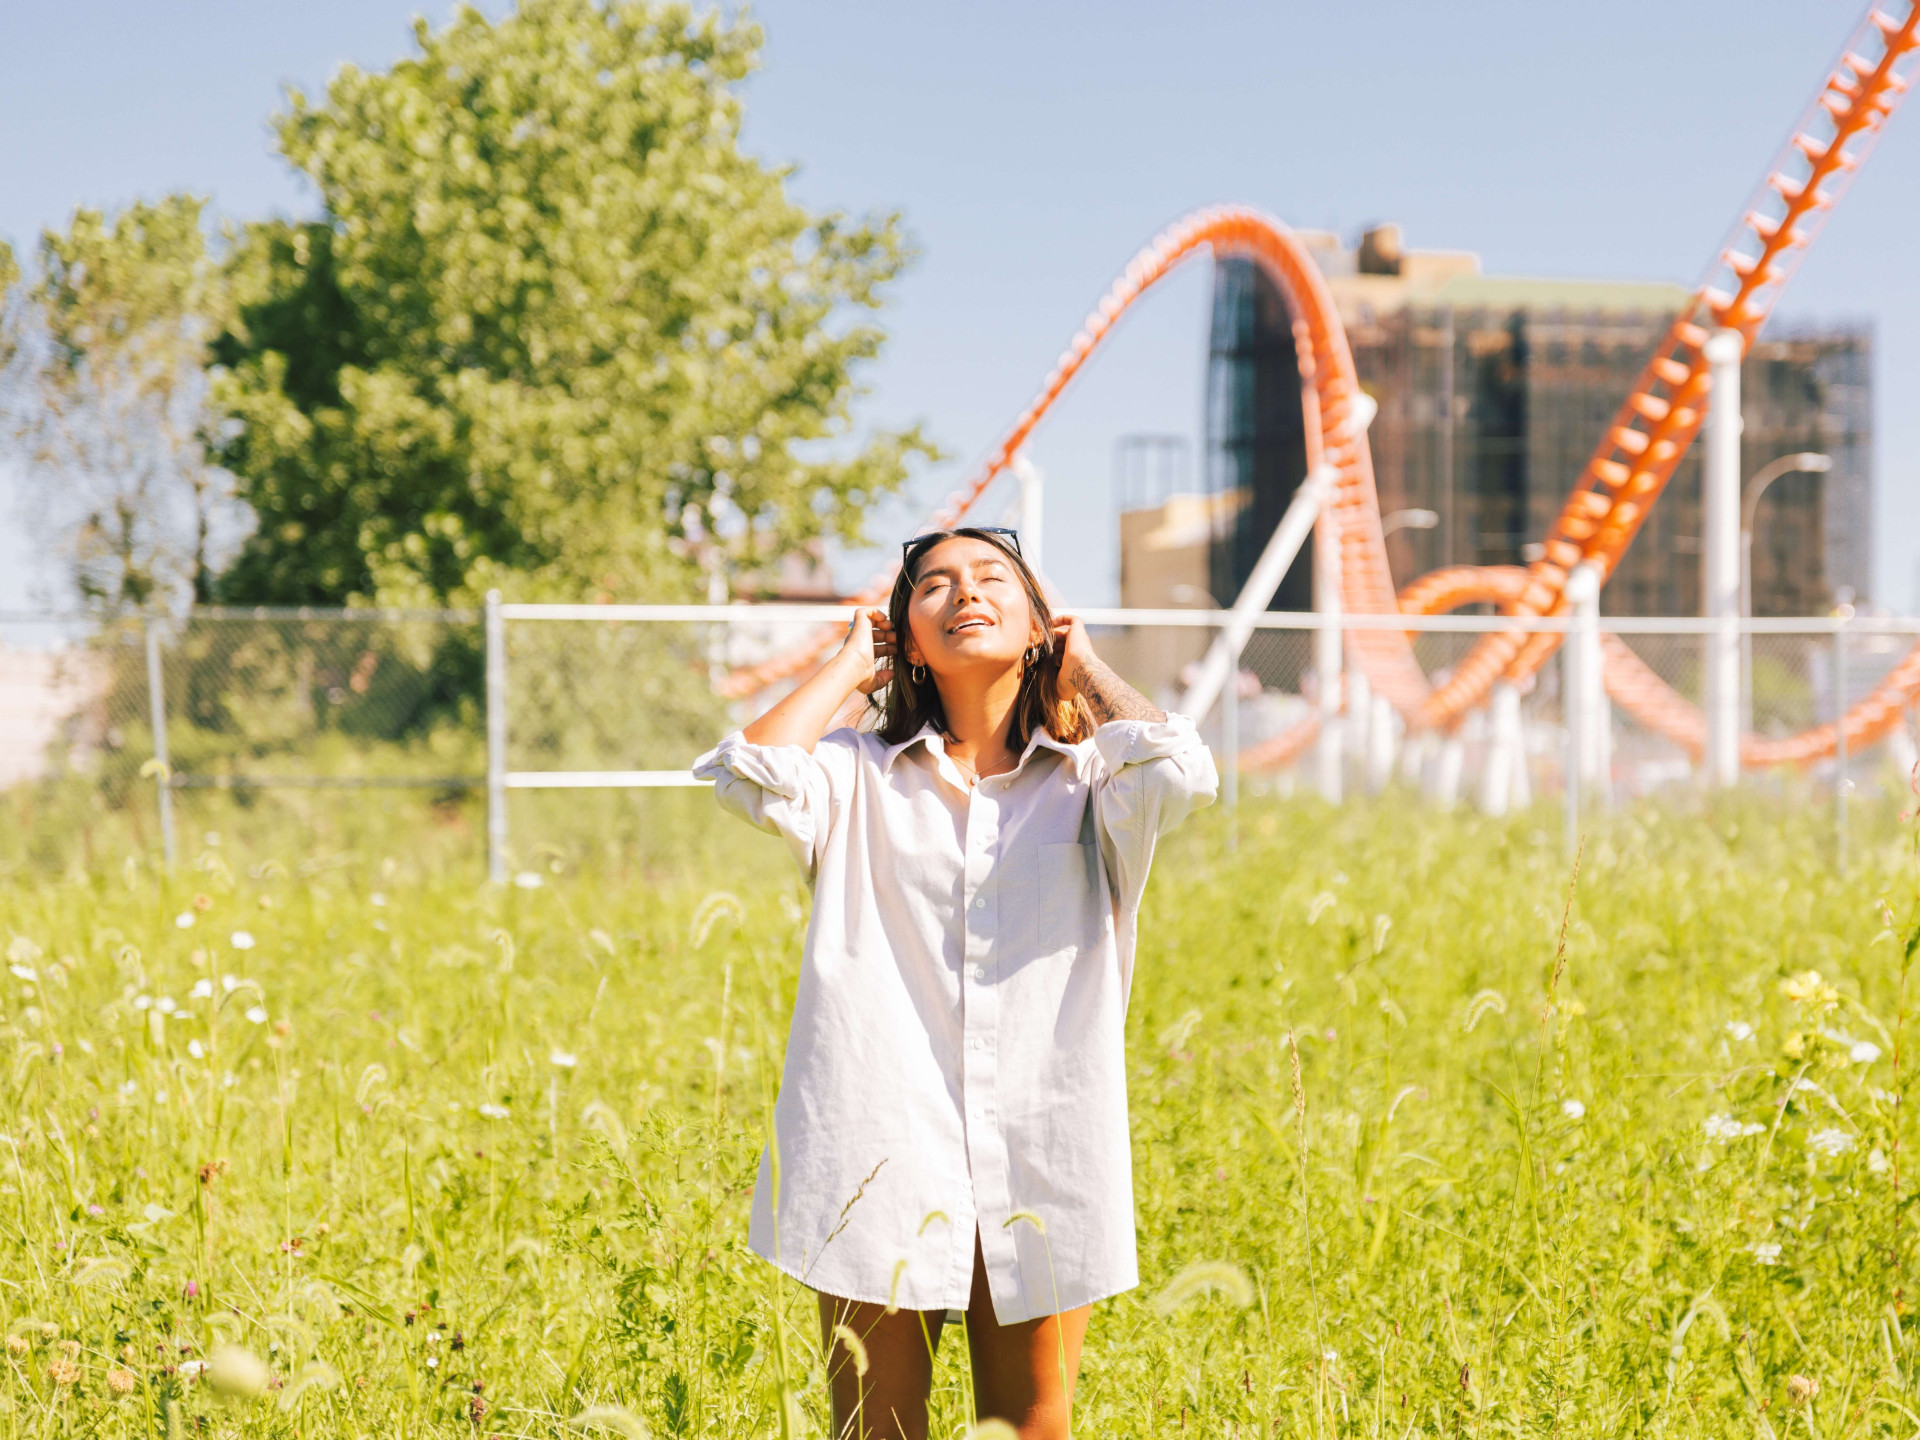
[(1493, 391)]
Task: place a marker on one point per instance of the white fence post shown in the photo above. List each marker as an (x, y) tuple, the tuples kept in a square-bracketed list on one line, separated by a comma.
[(1840, 736), (1720, 560), (157, 716), (1230, 748), (496, 639), (1329, 652)]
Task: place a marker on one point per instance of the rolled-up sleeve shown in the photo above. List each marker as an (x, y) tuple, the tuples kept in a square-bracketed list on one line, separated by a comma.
[(1152, 775), (781, 789)]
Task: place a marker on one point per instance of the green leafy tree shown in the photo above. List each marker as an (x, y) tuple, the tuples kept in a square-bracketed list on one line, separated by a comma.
[(107, 354), (553, 331)]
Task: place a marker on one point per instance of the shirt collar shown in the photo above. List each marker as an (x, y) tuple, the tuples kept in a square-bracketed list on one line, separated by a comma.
[(936, 742)]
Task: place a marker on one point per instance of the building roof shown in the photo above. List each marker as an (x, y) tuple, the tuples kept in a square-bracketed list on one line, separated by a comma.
[(1531, 292)]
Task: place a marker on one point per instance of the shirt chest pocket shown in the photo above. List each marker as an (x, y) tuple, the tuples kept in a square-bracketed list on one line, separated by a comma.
[(1069, 898)]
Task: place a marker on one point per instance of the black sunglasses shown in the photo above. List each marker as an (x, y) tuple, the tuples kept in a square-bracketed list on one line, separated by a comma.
[(909, 548)]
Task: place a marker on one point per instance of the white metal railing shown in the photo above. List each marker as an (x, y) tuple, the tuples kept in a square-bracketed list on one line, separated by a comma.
[(1281, 669), (1584, 725)]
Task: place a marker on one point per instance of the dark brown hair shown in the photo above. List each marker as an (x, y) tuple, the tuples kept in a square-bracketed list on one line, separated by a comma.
[(910, 704)]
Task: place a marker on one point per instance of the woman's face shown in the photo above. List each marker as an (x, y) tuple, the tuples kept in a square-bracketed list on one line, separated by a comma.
[(968, 610)]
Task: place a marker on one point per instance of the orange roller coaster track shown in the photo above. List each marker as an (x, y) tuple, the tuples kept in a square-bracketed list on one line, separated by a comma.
[(1620, 483)]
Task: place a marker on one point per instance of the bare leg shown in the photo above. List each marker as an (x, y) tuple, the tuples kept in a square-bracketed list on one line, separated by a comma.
[(890, 1401), (1024, 1373)]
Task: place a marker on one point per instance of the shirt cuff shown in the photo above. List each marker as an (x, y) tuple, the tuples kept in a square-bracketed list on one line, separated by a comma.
[(779, 769), (1128, 742)]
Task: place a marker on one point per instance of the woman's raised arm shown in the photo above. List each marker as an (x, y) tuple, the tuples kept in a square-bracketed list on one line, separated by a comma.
[(864, 663)]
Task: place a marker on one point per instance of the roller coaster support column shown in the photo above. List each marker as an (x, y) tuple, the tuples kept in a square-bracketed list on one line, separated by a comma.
[(1329, 646), (1720, 559), (1032, 488), (1590, 713), (1503, 785), (1220, 666)]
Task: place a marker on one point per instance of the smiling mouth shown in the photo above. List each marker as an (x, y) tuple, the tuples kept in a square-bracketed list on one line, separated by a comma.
[(969, 625)]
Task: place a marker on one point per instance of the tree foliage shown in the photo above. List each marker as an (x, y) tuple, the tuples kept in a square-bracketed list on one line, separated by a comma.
[(108, 354), (552, 331)]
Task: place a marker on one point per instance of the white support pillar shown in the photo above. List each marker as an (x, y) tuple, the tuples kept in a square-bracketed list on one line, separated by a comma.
[(1329, 647), (1032, 494), (1356, 720), (1720, 559), (1589, 713), (1382, 740), (1449, 766), (1505, 756)]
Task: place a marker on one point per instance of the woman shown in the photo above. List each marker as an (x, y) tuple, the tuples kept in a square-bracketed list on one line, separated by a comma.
[(951, 1131)]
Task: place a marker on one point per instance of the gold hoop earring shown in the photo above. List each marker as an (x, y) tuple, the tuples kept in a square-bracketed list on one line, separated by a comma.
[(919, 673)]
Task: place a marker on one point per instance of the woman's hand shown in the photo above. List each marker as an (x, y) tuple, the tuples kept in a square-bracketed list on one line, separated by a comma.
[(1086, 675), (869, 650), (864, 662)]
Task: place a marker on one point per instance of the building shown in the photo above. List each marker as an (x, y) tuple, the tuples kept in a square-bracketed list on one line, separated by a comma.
[(1493, 392)]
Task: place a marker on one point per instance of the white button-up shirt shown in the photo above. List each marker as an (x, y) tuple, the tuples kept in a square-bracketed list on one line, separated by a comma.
[(956, 1060)]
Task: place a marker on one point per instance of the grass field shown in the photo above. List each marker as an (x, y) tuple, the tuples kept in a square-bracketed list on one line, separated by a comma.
[(448, 1160)]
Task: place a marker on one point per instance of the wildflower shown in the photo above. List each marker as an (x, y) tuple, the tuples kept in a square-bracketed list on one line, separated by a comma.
[(49, 1332), (166, 1005), (563, 1059), (1739, 1030), (96, 1210), (18, 1345), (192, 1290), (1807, 988), (241, 940), (257, 1014), (283, 1028), (202, 990), (528, 880), (376, 898), (203, 903), (494, 1112), (236, 1372), (143, 1002), (129, 1088), (1794, 1046), (1765, 1252), (1863, 1052), (1831, 1141), (184, 920), (1802, 1388), (229, 984), (1573, 1109), (63, 1372), (119, 1381), (24, 972), (196, 1050), (433, 1362), (1877, 1161), (192, 1369)]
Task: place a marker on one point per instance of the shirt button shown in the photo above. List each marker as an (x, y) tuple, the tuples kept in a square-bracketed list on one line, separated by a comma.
[(981, 903), (980, 972), (979, 1042)]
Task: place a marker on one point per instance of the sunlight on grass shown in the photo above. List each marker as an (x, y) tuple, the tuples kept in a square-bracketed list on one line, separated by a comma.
[(327, 1141)]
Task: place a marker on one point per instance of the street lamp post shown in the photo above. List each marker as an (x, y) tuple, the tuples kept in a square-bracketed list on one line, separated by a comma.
[(1806, 462), (1408, 520)]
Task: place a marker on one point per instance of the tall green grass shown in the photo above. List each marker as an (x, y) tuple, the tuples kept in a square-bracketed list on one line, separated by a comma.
[(1421, 1148)]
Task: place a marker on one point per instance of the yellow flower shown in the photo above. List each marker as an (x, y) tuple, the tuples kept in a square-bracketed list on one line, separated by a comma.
[(120, 1381), (1809, 989), (1795, 1046)]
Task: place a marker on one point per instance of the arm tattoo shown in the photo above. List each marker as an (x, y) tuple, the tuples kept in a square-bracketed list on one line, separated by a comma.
[(1111, 698)]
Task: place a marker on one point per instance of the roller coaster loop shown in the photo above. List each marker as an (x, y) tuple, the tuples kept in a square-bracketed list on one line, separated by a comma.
[(1620, 482)]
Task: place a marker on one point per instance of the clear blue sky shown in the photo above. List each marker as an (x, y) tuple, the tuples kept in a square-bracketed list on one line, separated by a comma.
[(1034, 146)]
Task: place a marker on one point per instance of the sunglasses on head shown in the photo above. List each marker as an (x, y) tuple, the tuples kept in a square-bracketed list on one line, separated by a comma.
[(910, 549)]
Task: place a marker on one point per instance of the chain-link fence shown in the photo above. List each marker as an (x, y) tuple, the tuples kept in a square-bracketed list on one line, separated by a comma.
[(465, 706)]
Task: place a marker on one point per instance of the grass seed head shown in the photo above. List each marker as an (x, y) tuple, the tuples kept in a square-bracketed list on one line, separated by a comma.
[(854, 1346), (1205, 1277), (236, 1373)]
